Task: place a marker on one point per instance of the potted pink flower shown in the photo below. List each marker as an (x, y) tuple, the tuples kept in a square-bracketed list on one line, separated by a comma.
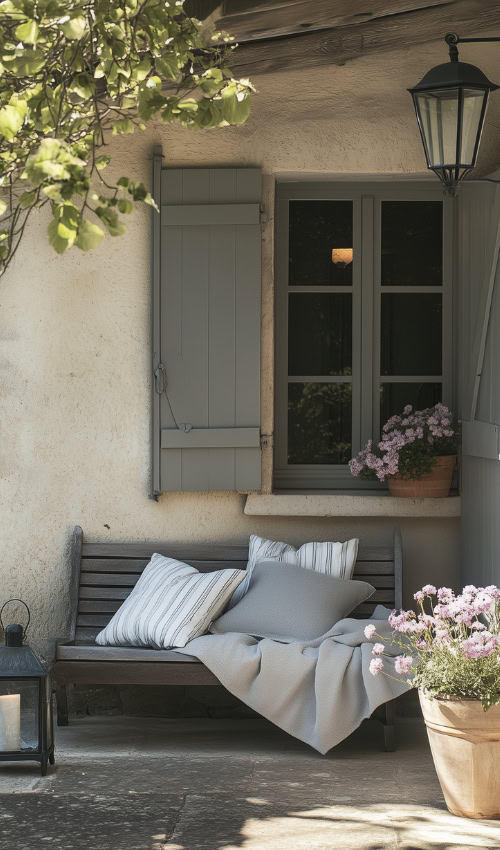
[(416, 455), (452, 655)]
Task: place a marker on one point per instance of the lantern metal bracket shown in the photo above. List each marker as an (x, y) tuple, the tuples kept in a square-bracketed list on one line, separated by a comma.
[(452, 39)]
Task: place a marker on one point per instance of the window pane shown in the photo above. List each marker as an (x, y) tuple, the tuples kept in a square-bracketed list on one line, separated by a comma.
[(412, 243), (320, 252), (319, 423), (395, 397), (319, 334), (411, 334)]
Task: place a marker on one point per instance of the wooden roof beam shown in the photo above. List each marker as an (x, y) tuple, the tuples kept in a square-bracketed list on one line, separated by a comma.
[(342, 44), (248, 20)]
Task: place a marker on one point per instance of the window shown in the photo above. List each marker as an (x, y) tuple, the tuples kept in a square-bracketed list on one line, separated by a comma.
[(363, 306)]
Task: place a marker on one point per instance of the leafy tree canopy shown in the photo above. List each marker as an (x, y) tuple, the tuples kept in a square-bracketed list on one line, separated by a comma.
[(74, 74)]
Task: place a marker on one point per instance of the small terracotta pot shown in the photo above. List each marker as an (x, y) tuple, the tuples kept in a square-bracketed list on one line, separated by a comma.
[(432, 486), (465, 745)]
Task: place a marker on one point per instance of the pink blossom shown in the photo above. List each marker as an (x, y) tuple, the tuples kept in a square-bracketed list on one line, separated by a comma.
[(370, 631), (376, 666), (427, 620), (480, 645), (403, 664), (378, 649), (429, 590), (419, 596), (482, 602), (445, 594)]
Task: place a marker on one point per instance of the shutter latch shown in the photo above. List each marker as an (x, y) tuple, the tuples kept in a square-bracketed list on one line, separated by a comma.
[(160, 379), (266, 441)]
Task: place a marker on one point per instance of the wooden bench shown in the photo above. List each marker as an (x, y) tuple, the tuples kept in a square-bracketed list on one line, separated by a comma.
[(103, 575)]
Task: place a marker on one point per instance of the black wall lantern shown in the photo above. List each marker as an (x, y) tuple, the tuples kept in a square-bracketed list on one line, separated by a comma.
[(450, 103), (26, 721)]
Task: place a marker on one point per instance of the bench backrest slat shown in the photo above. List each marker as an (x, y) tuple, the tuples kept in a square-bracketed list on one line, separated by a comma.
[(105, 573)]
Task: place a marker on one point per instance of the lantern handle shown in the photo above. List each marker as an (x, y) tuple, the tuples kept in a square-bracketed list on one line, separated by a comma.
[(25, 632)]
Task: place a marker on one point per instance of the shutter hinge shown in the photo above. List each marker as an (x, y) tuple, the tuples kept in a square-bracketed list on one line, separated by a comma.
[(160, 379), (266, 441), (263, 216)]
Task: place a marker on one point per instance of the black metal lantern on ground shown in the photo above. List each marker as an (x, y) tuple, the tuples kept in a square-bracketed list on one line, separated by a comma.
[(26, 720), (450, 104)]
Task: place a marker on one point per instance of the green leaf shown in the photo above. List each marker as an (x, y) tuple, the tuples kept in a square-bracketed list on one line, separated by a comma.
[(83, 85), (3, 207), (236, 104), (53, 191), (75, 28), (168, 67), (111, 221), (102, 161), (123, 126), (63, 227), (27, 200), (189, 104), (12, 118), (89, 236), (141, 71), (28, 33), (25, 64), (126, 207)]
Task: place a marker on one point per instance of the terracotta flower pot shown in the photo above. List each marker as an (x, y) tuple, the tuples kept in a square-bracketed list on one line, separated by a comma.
[(465, 745), (434, 485)]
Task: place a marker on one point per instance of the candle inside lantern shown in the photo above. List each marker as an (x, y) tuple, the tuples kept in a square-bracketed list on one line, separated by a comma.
[(10, 722)]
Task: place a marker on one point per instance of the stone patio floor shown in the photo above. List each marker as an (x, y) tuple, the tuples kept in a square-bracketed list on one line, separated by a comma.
[(158, 784)]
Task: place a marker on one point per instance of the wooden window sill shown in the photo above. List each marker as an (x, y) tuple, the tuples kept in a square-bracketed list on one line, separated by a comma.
[(287, 504)]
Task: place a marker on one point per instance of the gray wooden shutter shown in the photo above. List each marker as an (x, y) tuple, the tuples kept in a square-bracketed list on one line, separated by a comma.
[(207, 352)]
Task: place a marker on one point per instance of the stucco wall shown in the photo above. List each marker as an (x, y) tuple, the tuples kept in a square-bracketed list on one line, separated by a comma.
[(75, 347)]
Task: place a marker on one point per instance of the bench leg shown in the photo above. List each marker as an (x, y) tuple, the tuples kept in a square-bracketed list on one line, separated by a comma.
[(62, 706), (389, 726)]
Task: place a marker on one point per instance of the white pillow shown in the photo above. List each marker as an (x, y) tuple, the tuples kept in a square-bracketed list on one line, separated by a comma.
[(332, 559), (171, 604)]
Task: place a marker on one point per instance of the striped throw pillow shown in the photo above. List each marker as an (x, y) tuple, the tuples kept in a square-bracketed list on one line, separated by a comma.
[(171, 604), (329, 558)]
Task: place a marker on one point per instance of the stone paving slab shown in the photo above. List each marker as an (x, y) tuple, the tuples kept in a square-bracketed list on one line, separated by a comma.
[(88, 822), (144, 776), (257, 824), (230, 823)]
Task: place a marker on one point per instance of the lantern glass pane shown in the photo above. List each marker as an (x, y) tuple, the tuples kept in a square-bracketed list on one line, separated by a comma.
[(438, 114), (19, 709), (471, 123), (49, 724)]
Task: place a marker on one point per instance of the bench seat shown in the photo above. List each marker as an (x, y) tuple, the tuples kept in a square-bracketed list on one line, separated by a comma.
[(80, 651), (104, 574)]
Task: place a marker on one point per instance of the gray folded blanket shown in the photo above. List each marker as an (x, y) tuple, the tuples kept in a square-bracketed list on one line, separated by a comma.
[(318, 690)]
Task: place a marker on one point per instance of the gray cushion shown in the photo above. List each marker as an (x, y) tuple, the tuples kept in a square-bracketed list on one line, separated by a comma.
[(289, 603)]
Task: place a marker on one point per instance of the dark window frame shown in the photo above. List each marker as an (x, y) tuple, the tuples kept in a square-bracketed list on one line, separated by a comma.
[(367, 290)]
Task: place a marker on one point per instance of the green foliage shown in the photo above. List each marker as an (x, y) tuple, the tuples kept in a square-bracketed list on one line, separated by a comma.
[(71, 76)]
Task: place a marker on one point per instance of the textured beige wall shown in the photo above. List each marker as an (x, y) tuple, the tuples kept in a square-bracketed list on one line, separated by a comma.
[(75, 346)]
